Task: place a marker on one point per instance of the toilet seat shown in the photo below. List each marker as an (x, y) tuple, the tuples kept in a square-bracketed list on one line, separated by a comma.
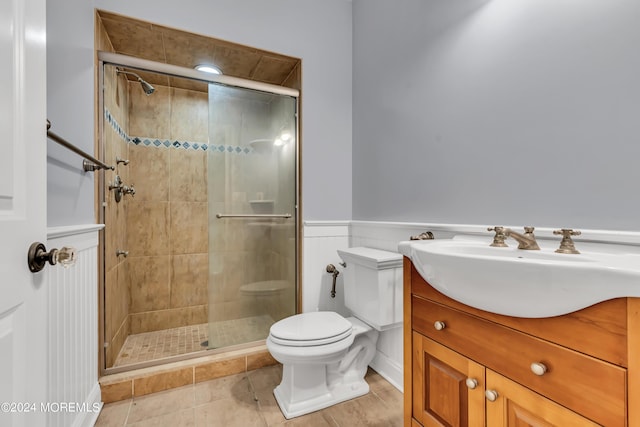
[(311, 329)]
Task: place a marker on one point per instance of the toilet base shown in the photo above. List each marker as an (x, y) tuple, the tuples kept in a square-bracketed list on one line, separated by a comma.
[(317, 377), (333, 395)]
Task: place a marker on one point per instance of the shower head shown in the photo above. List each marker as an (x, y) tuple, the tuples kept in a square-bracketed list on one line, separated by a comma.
[(146, 87)]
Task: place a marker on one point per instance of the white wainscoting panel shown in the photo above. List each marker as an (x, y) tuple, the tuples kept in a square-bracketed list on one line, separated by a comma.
[(74, 393), (321, 242)]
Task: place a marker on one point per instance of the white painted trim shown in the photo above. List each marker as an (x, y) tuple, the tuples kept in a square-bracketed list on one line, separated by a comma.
[(71, 230), (314, 223), (326, 229), (388, 369), (588, 235), (88, 418)]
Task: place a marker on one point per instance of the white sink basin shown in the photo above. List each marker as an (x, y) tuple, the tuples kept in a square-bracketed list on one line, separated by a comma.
[(526, 283)]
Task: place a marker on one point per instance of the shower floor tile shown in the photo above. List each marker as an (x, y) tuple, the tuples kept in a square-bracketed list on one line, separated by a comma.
[(160, 344), (155, 345)]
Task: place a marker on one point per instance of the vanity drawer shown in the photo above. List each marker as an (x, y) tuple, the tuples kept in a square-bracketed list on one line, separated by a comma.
[(599, 330), (600, 385)]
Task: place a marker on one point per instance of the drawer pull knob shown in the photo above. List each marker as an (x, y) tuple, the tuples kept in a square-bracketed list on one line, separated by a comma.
[(491, 395), (439, 325), (538, 368), (472, 383)]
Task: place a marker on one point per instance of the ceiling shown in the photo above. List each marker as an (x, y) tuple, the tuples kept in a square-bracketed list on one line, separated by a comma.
[(145, 40)]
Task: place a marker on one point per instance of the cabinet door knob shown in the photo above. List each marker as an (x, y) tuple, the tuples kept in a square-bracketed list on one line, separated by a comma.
[(491, 395), (538, 368), (471, 383), (439, 325)]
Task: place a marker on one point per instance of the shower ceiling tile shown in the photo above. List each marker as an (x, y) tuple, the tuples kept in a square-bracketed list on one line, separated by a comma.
[(135, 38), (273, 70), (168, 45), (190, 50)]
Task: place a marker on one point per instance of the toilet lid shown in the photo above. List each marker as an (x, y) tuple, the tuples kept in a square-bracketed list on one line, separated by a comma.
[(307, 329)]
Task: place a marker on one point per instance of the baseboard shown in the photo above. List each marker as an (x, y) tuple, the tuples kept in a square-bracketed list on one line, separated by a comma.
[(388, 369), (89, 417)]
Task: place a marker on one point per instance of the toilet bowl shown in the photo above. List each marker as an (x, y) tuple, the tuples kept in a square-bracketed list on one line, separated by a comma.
[(325, 355)]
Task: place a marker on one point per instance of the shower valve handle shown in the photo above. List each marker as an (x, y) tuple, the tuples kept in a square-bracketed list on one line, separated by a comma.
[(129, 190)]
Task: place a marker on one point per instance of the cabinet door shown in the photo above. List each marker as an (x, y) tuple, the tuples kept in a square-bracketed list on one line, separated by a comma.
[(517, 406), (441, 395)]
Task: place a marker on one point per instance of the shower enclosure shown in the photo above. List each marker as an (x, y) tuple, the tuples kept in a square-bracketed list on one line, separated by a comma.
[(201, 218)]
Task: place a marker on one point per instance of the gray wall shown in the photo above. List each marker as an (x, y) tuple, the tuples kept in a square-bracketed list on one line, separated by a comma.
[(319, 32), (70, 108), (497, 112)]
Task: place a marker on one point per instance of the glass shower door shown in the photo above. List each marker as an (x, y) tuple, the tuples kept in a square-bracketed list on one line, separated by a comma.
[(252, 198)]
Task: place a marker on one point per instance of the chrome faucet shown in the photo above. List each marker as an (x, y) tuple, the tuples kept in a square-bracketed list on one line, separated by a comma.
[(526, 240)]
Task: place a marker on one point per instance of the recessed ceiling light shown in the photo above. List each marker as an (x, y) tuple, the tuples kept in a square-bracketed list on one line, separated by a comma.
[(207, 68)]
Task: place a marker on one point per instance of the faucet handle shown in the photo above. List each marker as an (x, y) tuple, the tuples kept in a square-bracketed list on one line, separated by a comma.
[(427, 235), (498, 239), (566, 245)]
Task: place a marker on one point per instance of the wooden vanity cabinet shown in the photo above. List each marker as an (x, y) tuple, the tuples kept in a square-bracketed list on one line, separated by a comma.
[(450, 390), (468, 367)]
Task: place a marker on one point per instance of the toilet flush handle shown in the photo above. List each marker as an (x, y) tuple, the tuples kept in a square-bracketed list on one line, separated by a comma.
[(334, 271)]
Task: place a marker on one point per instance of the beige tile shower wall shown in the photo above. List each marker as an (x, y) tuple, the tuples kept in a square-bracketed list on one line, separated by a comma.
[(167, 219), (117, 288)]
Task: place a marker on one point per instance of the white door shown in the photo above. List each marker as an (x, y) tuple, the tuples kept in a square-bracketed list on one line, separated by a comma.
[(23, 339)]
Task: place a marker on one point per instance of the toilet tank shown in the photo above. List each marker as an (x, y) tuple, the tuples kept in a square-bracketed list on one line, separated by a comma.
[(373, 286)]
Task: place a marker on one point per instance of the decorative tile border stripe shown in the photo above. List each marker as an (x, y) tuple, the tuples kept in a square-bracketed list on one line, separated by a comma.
[(165, 143), (115, 126), (188, 145)]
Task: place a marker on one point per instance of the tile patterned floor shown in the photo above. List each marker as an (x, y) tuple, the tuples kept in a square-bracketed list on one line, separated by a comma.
[(246, 400), (159, 344), (187, 339)]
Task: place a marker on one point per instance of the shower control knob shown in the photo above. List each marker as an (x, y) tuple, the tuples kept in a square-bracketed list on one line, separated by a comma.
[(129, 190), (439, 325)]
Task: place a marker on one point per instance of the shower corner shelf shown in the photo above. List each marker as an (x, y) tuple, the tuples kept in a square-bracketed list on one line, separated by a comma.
[(262, 145)]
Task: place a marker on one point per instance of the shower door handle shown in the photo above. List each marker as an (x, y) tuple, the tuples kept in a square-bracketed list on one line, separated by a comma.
[(253, 215)]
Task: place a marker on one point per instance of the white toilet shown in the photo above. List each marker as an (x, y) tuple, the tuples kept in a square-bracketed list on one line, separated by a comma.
[(324, 355)]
